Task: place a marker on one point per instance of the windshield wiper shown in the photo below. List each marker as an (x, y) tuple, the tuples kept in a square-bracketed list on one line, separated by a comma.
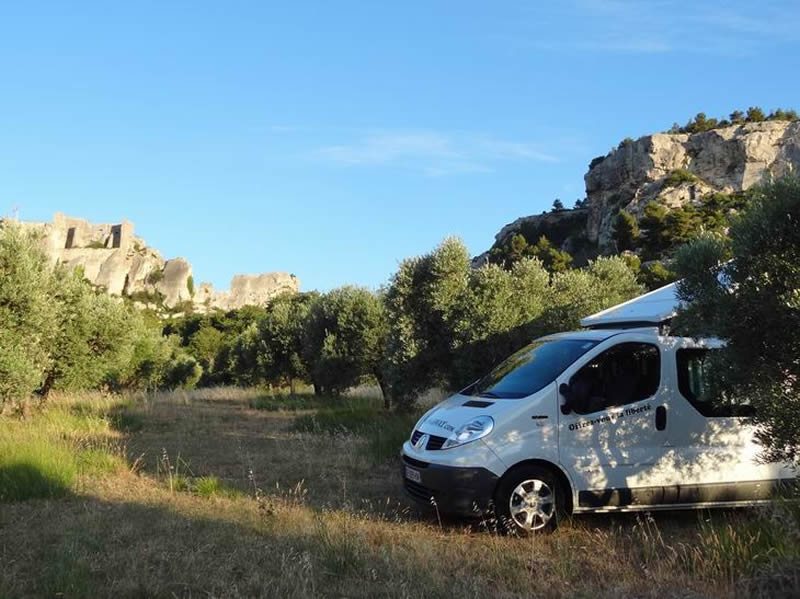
[(489, 394)]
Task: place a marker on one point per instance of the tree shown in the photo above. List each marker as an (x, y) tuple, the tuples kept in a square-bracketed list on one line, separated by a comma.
[(580, 292), (745, 290), (654, 224), (27, 315), (344, 339), (626, 231), (755, 115), (90, 336), (205, 344), (655, 275), (558, 205), (737, 117), (424, 301), (552, 258), (450, 323)]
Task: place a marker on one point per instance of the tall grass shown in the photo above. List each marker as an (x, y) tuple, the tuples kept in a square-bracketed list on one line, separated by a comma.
[(34, 466), (43, 455), (384, 430)]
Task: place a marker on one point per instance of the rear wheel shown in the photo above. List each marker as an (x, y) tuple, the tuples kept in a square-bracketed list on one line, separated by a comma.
[(529, 500)]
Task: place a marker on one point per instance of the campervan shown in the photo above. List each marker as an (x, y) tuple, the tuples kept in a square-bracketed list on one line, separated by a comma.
[(613, 417)]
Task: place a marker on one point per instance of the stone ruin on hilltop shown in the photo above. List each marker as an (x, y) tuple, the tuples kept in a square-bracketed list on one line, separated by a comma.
[(122, 264)]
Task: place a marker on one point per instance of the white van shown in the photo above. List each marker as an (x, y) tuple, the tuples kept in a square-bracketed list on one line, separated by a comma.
[(611, 418)]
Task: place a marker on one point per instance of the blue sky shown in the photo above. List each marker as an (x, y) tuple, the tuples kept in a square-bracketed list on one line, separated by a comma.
[(333, 139)]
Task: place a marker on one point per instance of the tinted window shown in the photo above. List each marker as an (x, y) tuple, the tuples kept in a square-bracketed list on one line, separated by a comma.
[(623, 374), (531, 369), (694, 385)]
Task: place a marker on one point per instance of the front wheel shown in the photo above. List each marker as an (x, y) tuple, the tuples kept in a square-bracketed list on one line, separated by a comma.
[(529, 500)]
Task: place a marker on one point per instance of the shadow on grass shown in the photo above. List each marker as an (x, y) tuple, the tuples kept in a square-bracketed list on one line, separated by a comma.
[(24, 480), (83, 546)]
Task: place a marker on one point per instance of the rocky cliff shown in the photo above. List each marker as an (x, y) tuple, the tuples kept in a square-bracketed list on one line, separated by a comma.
[(671, 168), (113, 258)]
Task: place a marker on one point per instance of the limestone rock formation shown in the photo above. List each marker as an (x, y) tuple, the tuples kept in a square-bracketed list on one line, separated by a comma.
[(176, 283), (727, 160), (113, 258), (247, 290)]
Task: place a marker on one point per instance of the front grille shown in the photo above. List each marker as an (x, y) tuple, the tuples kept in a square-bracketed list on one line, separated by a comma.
[(415, 463), (434, 442), (417, 491)]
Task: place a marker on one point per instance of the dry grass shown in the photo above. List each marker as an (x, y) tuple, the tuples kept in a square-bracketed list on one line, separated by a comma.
[(222, 500)]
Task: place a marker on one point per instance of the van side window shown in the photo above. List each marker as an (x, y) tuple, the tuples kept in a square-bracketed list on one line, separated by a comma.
[(693, 383), (623, 374)]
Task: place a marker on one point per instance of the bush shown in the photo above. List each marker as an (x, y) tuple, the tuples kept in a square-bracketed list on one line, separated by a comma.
[(182, 372), (155, 277), (679, 176)]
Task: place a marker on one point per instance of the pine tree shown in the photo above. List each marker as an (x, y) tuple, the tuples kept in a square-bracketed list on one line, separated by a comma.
[(626, 231)]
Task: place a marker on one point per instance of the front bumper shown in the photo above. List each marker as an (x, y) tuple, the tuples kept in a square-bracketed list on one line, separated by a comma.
[(450, 489)]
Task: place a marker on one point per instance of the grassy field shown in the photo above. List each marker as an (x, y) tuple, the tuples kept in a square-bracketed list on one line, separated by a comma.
[(226, 493)]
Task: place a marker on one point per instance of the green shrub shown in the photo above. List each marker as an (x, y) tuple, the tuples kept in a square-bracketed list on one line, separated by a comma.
[(182, 372), (211, 486), (679, 176), (656, 275), (155, 277), (96, 244), (190, 285)]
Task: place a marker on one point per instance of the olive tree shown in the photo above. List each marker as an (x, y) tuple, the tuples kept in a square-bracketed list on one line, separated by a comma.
[(27, 314), (344, 339), (745, 289)]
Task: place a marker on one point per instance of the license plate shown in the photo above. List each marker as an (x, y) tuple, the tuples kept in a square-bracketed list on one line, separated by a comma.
[(413, 475)]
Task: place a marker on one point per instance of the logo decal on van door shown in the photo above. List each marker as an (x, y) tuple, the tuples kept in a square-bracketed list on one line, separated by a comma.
[(610, 417)]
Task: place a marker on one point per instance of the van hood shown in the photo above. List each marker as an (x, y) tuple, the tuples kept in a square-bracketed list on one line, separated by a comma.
[(447, 417)]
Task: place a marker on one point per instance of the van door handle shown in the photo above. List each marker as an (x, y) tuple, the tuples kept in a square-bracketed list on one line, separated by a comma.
[(661, 418)]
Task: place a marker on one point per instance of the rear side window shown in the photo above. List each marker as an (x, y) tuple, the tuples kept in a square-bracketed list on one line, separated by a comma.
[(623, 374), (694, 385)]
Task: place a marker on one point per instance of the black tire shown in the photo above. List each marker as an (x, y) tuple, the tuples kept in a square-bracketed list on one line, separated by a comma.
[(529, 500)]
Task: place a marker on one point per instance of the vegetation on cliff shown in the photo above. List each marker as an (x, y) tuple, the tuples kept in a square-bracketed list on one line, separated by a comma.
[(754, 114)]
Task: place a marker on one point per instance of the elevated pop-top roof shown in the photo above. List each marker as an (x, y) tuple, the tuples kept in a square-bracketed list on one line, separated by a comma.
[(652, 308)]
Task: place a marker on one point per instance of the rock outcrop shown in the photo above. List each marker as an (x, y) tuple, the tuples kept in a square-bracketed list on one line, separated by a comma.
[(727, 160), (113, 258), (671, 168)]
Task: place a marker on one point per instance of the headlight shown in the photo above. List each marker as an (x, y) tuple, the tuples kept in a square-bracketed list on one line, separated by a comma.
[(472, 431)]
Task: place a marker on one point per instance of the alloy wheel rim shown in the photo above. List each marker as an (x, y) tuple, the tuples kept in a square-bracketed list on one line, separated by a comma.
[(532, 504)]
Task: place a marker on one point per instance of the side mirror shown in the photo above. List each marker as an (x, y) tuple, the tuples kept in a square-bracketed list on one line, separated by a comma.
[(564, 389)]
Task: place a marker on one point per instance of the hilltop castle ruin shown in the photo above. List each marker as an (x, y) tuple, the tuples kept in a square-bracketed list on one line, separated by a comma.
[(115, 259)]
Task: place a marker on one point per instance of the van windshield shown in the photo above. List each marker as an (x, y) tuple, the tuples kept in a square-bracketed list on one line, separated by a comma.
[(531, 369)]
